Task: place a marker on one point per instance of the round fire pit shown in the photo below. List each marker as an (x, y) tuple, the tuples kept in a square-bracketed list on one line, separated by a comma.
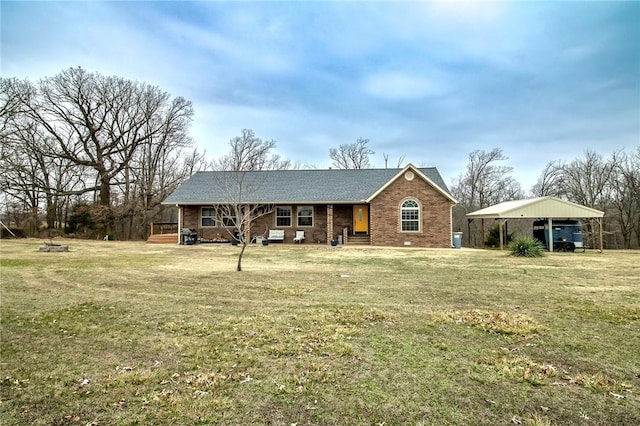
[(53, 248)]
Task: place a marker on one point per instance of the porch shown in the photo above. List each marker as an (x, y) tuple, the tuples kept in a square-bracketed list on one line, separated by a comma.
[(321, 223), (163, 233)]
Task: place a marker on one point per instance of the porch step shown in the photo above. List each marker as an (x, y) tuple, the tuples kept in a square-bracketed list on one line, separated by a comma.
[(163, 239), (362, 240)]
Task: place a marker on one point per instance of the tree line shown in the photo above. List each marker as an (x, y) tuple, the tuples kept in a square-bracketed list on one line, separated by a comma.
[(611, 185), (85, 151), (92, 154)]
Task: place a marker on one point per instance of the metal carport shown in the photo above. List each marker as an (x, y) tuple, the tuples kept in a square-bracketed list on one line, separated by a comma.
[(538, 208)]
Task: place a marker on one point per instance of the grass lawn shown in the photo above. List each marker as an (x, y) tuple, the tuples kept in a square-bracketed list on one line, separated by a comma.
[(129, 333)]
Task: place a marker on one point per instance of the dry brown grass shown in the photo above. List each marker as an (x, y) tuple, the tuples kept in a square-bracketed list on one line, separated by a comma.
[(129, 333)]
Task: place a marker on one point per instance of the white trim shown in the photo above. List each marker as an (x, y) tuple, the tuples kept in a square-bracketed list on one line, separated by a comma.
[(275, 216), (313, 211), (214, 217), (417, 172), (418, 209)]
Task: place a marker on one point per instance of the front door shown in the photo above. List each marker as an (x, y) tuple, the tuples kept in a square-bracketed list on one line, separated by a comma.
[(361, 219)]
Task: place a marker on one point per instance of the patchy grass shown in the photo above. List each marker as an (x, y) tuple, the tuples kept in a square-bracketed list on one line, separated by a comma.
[(129, 333), (494, 322)]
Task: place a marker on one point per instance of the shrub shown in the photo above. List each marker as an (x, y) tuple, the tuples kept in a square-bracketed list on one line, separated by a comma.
[(493, 239), (526, 247)]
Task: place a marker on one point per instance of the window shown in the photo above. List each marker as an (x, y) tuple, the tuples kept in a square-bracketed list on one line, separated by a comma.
[(227, 219), (283, 216), (305, 216), (410, 216), (208, 217)]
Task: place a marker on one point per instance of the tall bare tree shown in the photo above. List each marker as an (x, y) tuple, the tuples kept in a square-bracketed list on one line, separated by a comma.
[(126, 139), (625, 195), (587, 180), (29, 173), (249, 152), (352, 156), (100, 122), (550, 181), (484, 183)]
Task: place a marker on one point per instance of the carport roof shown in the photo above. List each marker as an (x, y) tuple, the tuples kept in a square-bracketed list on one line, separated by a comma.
[(535, 208)]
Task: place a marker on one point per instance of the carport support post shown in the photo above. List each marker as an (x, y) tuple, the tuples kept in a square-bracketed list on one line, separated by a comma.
[(550, 237), (600, 231), (501, 224)]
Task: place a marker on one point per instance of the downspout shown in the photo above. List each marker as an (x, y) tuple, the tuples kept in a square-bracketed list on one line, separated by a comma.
[(451, 225), (550, 238)]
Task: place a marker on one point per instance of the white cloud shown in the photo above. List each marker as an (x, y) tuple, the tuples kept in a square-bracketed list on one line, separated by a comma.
[(467, 13), (431, 81), (401, 86)]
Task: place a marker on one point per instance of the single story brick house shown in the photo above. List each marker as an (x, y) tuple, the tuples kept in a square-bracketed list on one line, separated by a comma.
[(379, 207)]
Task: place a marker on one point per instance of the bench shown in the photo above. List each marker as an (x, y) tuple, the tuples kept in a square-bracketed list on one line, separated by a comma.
[(276, 235)]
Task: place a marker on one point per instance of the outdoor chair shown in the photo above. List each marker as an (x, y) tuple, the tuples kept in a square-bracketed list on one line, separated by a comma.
[(299, 237)]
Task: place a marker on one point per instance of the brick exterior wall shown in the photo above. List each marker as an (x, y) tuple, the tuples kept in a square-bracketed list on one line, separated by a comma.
[(435, 215), (342, 218), (260, 226), (384, 220)]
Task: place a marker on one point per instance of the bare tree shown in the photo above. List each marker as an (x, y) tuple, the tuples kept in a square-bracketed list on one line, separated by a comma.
[(238, 180), (386, 161), (625, 195), (100, 123), (124, 139), (29, 173), (587, 180), (352, 156), (237, 214), (249, 152), (157, 167), (550, 181), (13, 93), (483, 184)]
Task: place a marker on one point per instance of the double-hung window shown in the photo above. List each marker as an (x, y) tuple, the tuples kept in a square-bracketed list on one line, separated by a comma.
[(410, 216), (228, 220), (283, 216), (208, 217), (305, 215)]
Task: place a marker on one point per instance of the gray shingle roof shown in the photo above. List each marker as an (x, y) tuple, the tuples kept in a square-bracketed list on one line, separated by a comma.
[(290, 186)]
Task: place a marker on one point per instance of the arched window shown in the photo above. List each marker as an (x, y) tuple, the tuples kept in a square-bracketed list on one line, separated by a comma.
[(410, 216)]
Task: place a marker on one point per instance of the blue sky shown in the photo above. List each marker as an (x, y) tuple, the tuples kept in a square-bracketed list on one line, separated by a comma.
[(426, 80)]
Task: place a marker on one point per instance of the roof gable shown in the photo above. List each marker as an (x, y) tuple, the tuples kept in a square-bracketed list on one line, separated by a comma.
[(292, 186), (419, 174)]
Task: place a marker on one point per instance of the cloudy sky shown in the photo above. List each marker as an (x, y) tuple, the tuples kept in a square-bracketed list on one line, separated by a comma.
[(425, 80)]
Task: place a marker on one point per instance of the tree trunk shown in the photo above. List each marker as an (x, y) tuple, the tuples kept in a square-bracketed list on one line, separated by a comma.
[(51, 212), (244, 246)]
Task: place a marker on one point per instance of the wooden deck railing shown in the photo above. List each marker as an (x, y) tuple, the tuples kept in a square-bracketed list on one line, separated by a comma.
[(163, 228)]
